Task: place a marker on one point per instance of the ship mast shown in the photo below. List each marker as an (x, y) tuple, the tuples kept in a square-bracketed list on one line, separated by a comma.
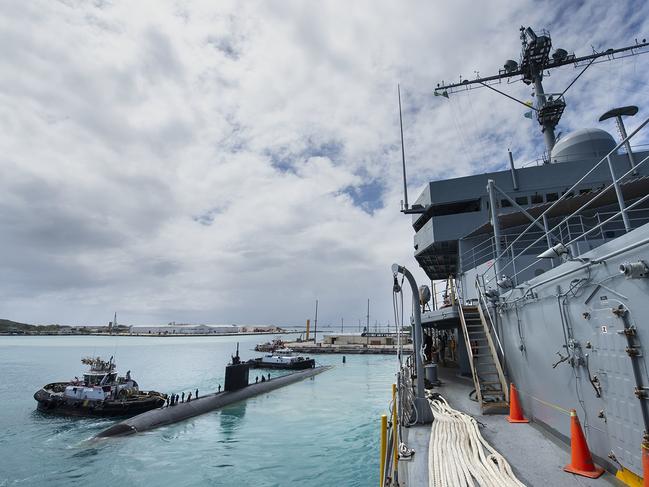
[(535, 61)]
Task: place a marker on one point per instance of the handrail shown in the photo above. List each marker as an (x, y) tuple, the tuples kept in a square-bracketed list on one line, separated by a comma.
[(469, 352), (470, 257), (600, 225), (573, 214), (481, 297), (574, 186), (641, 200), (494, 354)]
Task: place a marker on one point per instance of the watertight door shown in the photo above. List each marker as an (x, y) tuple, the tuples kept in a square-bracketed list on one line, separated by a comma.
[(613, 367)]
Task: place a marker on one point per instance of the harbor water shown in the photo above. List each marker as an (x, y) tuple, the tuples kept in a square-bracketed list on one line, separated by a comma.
[(319, 432)]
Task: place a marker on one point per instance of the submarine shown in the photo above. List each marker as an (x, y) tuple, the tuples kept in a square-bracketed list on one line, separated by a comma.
[(236, 388)]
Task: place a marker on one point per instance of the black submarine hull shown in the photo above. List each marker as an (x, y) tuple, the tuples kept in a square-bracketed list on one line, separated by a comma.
[(185, 410)]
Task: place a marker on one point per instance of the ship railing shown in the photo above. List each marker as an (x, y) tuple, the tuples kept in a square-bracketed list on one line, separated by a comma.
[(438, 295), (607, 222), (481, 252), (449, 290), (400, 411), (567, 194), (491, 325), (486, 250)]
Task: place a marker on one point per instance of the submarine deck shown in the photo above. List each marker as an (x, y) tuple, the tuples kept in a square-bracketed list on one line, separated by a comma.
[(536, 456), (204, 404)]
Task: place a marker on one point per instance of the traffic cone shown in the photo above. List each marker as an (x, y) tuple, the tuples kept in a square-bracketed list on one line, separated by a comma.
[(645, 461), (515, 410), (582, 462)]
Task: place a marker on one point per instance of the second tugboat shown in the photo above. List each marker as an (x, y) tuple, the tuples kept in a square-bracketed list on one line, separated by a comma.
[(101, 393), (280, 361)]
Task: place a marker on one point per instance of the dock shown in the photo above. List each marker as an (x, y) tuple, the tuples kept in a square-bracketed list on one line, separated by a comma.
[(324, 348), (353, 343)]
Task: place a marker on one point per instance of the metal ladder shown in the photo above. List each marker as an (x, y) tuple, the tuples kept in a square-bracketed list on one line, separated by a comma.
[(488, 377)]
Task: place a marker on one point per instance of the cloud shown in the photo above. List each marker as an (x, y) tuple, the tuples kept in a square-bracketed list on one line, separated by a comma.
[(232, 162)]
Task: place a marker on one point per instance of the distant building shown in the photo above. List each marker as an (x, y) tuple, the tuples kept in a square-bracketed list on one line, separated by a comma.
[(184, 329)]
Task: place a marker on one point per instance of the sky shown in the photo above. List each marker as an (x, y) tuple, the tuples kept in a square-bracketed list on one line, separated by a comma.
[(232, 162)]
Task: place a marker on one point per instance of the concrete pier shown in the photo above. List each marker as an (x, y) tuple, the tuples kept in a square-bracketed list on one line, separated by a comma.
[(185, 410), (305, 347)]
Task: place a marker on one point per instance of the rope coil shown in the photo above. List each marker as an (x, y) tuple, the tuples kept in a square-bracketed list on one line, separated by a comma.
[(458, 455)]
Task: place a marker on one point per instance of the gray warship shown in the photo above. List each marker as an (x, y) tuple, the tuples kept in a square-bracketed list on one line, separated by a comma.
[(547, 272)]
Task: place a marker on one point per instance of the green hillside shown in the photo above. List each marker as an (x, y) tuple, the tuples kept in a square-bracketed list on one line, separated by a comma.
[(8, 326)]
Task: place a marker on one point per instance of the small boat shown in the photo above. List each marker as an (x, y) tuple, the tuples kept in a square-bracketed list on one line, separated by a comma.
[(284, 352), (102, 392), (270, 346), (275, 361)]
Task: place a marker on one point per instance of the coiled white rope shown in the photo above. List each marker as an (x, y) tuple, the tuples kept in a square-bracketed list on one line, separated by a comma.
[(458, 455)]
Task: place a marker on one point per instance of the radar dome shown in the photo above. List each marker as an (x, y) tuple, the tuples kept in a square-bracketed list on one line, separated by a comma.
[(582, 145)]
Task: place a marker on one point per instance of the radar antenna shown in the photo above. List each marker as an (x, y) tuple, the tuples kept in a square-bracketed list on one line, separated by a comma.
[(535, 61)]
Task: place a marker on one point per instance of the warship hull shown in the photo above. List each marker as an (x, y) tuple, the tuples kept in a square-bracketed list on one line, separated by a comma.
[(573, 352)]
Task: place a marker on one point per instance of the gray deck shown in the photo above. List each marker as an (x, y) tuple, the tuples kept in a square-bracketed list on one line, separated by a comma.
[(536, 456)]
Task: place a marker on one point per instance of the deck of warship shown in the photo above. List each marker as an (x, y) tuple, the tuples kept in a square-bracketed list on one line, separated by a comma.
[(536, 456), (547, 267)]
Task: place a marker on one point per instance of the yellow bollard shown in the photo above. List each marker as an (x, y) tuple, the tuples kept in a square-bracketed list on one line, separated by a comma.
[(395, 432), (384, 435)]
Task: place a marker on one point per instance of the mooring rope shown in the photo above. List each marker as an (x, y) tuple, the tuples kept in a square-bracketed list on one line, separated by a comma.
[(459, 456)]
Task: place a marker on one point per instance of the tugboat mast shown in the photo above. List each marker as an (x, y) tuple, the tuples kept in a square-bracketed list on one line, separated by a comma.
[(535, 60)]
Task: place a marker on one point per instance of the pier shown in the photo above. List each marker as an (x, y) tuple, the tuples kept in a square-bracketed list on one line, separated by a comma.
[(303, 347), (353, 343)]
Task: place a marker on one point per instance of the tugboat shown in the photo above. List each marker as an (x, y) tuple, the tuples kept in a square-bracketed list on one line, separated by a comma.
[(271, 361), (269, 346), (101, 393)]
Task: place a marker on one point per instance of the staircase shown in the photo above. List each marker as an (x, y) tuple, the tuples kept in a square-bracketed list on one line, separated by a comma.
[(488, 378)]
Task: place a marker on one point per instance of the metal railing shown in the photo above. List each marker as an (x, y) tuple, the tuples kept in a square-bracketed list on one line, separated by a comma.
[(575, 228), (565, 222), (482, 299), (486, 250)]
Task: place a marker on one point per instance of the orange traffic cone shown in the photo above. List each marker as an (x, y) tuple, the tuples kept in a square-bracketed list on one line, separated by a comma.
[(515, 410), (645, 462), (582, 462)]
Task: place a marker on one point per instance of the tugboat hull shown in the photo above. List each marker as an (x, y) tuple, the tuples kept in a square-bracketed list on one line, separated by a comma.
[(54, 403), (298, 365)]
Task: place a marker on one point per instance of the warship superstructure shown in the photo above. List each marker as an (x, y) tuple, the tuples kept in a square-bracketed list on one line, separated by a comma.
[(548, 266)]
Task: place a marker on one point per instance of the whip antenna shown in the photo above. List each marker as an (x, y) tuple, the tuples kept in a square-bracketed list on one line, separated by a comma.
[(403, 153)]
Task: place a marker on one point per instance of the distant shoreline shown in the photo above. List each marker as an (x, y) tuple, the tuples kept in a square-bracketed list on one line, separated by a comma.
[(161, 335)]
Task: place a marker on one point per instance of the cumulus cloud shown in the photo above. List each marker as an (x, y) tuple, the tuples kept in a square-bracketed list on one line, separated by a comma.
[(232, 162)]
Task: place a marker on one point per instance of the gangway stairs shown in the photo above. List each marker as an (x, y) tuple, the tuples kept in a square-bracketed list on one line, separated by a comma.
[(488, 377)]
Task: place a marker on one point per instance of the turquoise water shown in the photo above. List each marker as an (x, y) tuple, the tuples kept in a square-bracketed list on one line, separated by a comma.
[(319, 432)]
